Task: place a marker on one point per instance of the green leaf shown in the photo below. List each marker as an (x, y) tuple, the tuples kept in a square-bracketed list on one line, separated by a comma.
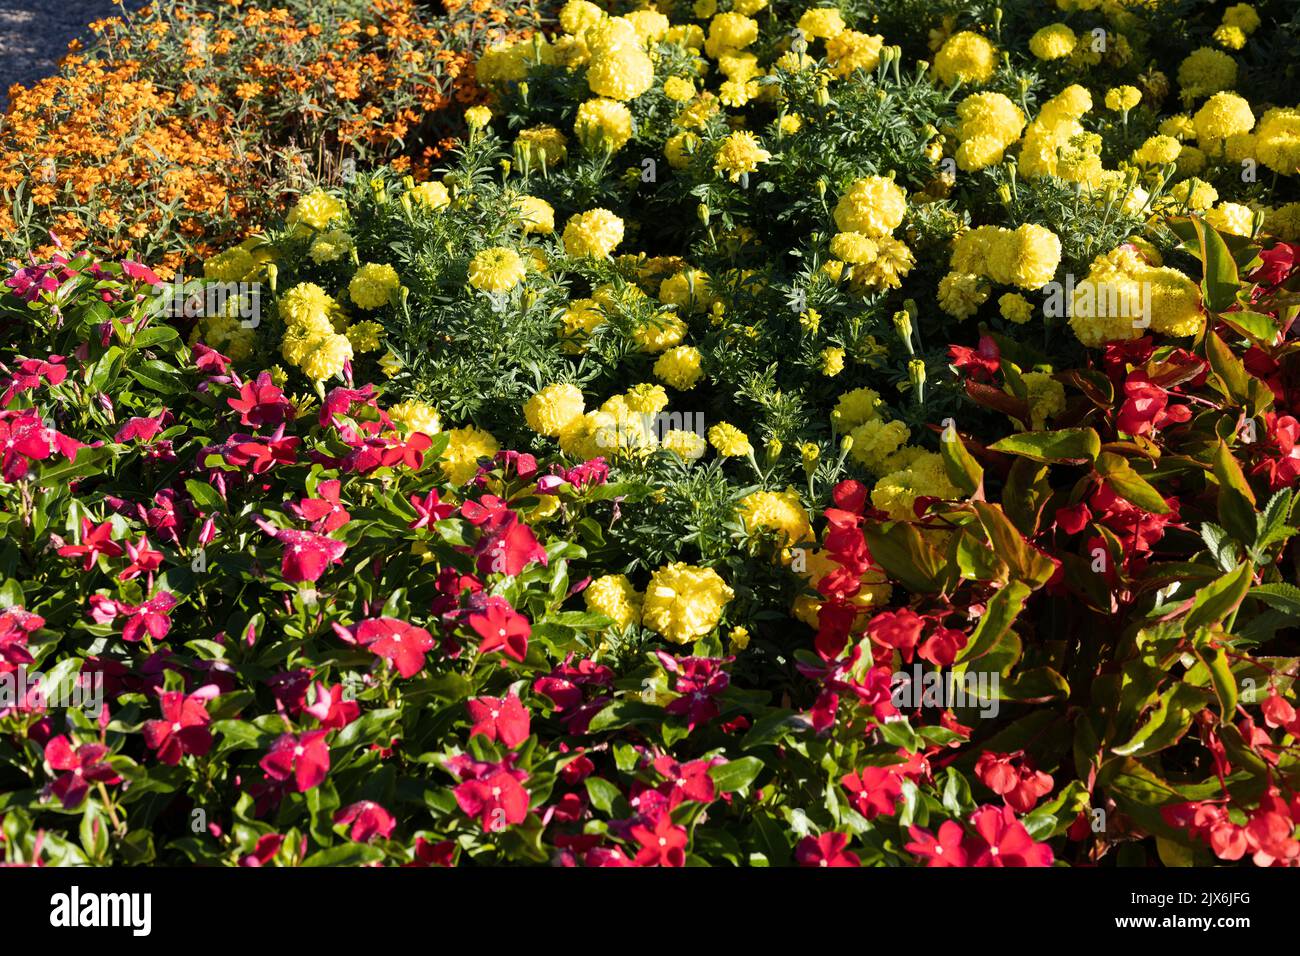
[(204, 494), (1068, 445), (735, 774), (159, 377), (999, 614), (1167, 722), (1220, 283), (1236, 500), (1284, 597), (899, 549), (349, 854), (1216, 601), (1230, 370), (1254, 325), (962, 468), (1027, 563), (1128, 484)]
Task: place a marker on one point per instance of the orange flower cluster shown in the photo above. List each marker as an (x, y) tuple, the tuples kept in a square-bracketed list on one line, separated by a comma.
[(177, 127)]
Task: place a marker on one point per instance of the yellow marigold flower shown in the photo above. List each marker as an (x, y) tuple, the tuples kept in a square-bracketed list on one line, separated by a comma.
[(1222, 115), (832, 361), (373, 285), (327, 358), (896, 493), (991, 115), (1053, 42), (1026, 257), (578, 15), (476, 117), (603, 124), (1242, 16), (316, 210), (679, 89), (1206, 71), (1232, 218), (730, 441), (1121, 99), (1284, 221), (850, 50), (683, 603), (853, 247), (1157, 151), (537, 215), (651, 26), (961, 294), (306, 306), (873, 206), (646, 398), (965, 57), (364, 336), (416, 416), (728, 32), (542, 146), (740, 67), (579, 319), (739, 154), (688, 289), (875, 440), (330, 246), (234, 265), (1046, 397), (664, 332), (821, 23), (623, 72), (1278, 140), (779, 513), (614, 596), (465, 447), (553, 409), (686, 445), (390, 364), (893, 261), (1015, 308), (790, 123), (595, 233), (1175, 302), (738, 638), (1191, 161), (855, 407), (679, 367), (1179, 126), (1195, 194), (1231, 38), (431, 194)]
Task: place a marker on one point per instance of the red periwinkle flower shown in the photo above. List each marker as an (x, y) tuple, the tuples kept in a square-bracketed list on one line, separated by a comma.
[(499, 718), (368, 819), (326, 511), (948, 850), (306, 759), (497, 800), (899, 629), (1004, 841), (401, 644), (83, 766), (261, 403), (502, 628), (331, 708), (183, 728), (662, 845), (95, 540), (825, 850), (144, 559), (306, 555)]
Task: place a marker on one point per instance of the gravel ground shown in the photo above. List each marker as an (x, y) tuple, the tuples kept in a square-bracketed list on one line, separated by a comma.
[(34, 35)]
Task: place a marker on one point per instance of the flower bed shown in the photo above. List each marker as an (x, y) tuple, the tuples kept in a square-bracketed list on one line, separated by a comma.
[(761, 444)]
